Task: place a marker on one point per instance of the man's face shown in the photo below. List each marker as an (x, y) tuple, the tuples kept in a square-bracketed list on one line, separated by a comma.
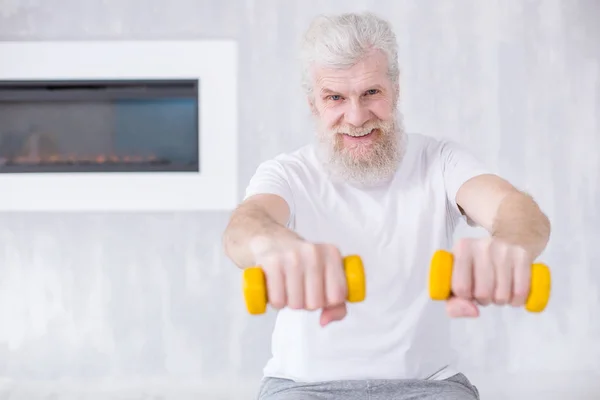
[(358, 129)]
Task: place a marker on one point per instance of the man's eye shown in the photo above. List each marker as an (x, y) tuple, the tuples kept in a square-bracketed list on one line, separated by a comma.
[(335, 97), (372, 91)]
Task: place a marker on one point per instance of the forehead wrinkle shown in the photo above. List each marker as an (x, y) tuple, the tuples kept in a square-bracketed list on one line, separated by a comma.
[(354, 85)]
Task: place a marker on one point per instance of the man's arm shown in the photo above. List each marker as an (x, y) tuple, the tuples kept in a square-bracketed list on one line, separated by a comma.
[(496, 269), (261, 216), (504, 211)]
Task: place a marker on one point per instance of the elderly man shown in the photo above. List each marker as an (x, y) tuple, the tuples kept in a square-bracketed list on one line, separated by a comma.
[(367, 187)]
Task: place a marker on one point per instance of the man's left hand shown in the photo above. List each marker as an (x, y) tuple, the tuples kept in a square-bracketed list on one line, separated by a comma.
[(488, 271)]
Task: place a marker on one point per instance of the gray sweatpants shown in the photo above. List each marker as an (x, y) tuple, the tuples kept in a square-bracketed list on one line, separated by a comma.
[(456, 387)]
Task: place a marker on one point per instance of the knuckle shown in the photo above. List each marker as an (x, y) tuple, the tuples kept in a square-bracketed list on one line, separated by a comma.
[(484, 301), (336, 295), (315, 267), (499, 257), (295, 303), (333, 251), (275, 286), (498, 244), (277, 302), (462, 286), (520, 251), (521, 294), (271, 261), (462, 245), (483, 295), (462, 290), (501, 297), (481, 266), (274, 277), (517, 301), (291, 260), (314, 303), (483, 245), (333, 268), (315, 294), (310, 250)]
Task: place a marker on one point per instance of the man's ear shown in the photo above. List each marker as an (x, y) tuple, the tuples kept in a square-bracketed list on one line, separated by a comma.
[(396, 93), (311, 104)]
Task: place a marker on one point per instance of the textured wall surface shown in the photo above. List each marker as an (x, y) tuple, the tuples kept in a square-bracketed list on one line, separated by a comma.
[(129, 305)]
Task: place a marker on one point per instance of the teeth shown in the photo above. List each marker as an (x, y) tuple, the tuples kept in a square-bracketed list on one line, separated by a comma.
[(361, 134)]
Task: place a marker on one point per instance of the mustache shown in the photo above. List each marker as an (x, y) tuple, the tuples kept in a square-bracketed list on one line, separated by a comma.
[(356, 130)]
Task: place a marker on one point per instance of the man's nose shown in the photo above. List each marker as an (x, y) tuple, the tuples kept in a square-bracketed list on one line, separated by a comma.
[(357, 114)]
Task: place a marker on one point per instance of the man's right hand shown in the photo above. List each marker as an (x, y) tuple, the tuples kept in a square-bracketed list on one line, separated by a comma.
[(303, 275)]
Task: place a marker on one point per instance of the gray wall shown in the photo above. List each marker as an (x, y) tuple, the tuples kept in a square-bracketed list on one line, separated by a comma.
[(132, 301)]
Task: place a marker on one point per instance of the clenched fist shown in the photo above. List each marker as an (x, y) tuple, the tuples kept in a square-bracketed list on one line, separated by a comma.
[(303, 275), (488, 271)]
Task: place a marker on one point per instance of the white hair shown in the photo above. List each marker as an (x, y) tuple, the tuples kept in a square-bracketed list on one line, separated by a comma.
[(340, 41)]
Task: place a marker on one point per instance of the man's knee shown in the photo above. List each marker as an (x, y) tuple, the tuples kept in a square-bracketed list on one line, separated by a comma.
[(284, 389), (464, 388)]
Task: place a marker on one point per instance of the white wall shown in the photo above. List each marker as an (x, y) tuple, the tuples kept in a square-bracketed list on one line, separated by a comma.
[(141, 303)]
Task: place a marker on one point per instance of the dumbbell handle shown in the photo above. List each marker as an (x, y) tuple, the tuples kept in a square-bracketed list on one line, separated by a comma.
[(255, 285), (440, 281)]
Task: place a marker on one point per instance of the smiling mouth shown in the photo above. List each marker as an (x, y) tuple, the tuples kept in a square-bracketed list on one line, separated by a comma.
[(361, 136)]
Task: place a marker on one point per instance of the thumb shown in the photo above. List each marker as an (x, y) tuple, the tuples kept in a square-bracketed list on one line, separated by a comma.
[(333, 313), (457, 308)]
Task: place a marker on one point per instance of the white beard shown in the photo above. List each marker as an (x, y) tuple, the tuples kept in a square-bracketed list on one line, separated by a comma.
[(364, 166)]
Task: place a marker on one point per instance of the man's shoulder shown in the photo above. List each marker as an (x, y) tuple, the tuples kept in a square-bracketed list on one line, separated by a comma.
[(303, 155), (422, 150), (300, 159), (422, 142), (434, 149), (294, 165), (430, 157)]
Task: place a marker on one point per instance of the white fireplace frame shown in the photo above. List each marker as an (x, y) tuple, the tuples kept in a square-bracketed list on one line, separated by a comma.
[(213, 62)]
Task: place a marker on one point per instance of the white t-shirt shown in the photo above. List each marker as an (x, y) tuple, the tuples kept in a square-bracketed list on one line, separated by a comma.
[(397, 332)]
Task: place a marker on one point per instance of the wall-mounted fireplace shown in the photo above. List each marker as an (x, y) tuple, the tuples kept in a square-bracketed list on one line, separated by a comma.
[(99, 126), (118, 125)]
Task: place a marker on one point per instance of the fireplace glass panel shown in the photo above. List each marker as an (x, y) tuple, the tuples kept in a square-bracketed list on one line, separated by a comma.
[(99, 126)]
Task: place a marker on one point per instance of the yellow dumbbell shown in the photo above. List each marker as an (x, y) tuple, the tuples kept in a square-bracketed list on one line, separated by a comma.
[(440, 281), (255, 285)]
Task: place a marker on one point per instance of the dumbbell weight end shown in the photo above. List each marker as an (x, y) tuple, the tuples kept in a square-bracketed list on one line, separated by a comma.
[(254, 285), (440, 281)]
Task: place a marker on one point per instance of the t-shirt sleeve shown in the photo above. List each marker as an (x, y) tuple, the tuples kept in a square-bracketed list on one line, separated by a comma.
[(458, 166), (271, 178)]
